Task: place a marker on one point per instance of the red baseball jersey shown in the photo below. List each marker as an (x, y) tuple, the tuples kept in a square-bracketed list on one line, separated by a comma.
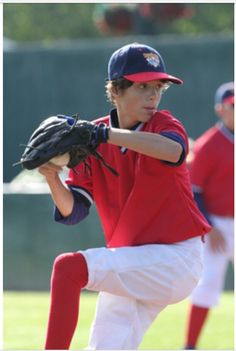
[(151, 201), (212, 170)]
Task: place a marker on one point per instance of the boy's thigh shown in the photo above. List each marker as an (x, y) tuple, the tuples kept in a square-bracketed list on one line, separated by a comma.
[(152, 273)]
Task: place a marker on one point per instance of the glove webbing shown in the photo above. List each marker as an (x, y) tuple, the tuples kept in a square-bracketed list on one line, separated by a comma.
[(98, 156)]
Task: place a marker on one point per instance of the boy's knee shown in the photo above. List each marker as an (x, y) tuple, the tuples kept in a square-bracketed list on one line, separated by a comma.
[(71, 265)]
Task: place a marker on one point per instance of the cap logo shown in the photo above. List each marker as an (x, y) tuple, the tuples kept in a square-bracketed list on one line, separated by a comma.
[(152, 59)]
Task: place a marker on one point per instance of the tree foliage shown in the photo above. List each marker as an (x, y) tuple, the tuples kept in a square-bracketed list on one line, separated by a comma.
[(46, 22)]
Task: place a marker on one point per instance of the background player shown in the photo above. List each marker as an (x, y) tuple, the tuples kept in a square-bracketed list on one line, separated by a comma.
[(212, 176), (151, 223)]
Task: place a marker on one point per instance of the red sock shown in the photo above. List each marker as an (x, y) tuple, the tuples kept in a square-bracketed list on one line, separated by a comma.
[(69, 275), (197, 318)]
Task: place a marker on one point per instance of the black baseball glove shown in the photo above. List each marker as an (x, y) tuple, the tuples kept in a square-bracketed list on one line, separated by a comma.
[(60, 134)]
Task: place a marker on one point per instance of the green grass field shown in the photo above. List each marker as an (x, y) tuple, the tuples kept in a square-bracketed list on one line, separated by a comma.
[(25, 320)]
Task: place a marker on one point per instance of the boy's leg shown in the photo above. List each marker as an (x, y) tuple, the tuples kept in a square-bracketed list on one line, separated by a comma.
[(138, 273), (120, 322), (159, 274), (137, 283), (69, 275)]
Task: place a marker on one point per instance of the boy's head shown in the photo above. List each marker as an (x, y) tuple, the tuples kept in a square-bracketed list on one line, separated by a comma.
[(136, 63), (224, 104)]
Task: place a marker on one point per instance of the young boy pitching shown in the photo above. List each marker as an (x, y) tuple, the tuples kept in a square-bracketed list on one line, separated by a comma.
[(152, 226)]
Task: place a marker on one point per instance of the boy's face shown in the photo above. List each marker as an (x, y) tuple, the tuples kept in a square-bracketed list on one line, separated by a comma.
[(226, 113), (139, 102)]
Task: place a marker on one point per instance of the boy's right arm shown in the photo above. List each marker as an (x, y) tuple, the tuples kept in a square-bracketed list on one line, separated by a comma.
[(61, 195)]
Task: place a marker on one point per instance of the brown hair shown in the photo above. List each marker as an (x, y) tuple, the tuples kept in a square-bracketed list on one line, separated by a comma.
[(119, 84)]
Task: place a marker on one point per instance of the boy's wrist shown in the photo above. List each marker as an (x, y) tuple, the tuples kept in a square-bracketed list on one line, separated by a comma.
[(101, 133)]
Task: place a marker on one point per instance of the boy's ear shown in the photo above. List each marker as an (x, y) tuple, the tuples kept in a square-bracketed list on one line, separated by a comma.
[(115, 91)]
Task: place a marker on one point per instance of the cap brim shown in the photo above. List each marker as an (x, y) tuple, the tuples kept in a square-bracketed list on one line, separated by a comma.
[(148, 76), (229, 100)]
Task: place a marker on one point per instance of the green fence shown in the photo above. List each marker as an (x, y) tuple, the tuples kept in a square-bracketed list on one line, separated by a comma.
[(69, 78), (32, 240)]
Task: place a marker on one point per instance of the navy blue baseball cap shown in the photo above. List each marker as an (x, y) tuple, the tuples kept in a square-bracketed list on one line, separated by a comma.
[(225, 94), (138, 63)]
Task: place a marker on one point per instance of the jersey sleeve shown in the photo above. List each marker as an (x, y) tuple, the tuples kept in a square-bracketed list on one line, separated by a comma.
[(171, 128), (179, 139), (201, 167), (79, 212), (198, 197), (169, 124)]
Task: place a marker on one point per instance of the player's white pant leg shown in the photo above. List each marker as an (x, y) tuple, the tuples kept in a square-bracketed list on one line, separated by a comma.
[(120, 322), (160, 274), (208, 290), (140, 281), (210, 286)]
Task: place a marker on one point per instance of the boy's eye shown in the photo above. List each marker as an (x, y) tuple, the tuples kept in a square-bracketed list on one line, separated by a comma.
[(159, 87)]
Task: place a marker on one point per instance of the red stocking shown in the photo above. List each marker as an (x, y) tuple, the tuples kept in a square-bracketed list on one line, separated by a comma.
[(69, 275)]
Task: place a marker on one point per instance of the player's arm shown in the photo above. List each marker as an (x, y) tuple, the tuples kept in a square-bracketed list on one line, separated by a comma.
[(71, 207), (216, 239), (201, 168), (150, 144), (61, 195)]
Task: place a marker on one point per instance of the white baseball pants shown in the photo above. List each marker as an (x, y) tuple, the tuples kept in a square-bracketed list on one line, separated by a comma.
[(210, 286), (135, 284)]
